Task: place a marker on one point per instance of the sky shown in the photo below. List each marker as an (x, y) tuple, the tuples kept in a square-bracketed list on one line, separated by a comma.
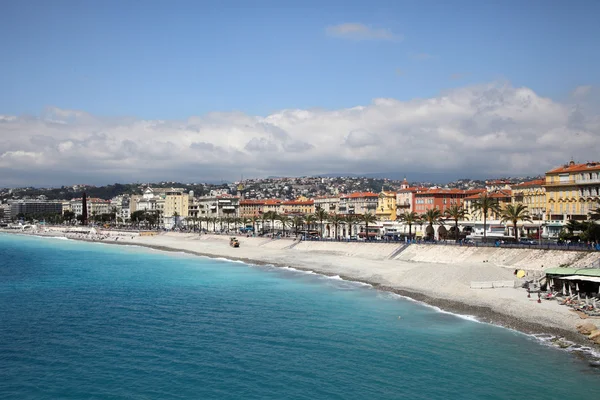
[(122, 91)]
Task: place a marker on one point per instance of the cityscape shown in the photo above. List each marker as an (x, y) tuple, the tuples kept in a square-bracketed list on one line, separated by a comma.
[(299, 199), (557, 204)]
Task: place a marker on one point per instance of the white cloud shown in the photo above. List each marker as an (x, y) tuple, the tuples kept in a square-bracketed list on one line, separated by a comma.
[(492, 129), (581, 91), (357, 31)]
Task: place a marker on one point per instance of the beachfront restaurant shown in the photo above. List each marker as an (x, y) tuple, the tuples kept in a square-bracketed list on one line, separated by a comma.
[(575, 283)]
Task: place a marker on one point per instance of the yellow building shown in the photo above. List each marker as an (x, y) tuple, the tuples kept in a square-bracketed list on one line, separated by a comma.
[(176, 206), (386, 206), (572, 191), (300, 206), (502, 197), (533, 195)]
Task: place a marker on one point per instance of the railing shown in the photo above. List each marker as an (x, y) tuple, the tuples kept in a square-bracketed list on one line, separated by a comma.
[(542, 246)]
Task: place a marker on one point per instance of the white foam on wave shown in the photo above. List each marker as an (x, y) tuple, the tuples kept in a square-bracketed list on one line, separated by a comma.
[(466, 317), (300, 271), (568, 346), (335, 278)]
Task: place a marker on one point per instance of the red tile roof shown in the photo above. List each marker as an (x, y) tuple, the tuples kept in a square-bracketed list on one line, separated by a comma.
[(360, 194), (535, 182), (572, 167)]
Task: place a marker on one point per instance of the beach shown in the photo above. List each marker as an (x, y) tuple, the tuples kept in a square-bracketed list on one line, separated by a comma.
[(438, 275)]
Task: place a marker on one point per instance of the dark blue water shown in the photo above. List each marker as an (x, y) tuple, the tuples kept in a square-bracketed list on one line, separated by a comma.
[(93, 321)]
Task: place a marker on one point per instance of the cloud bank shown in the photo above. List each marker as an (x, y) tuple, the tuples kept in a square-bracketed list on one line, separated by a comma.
[(487, 130), (356, 31)]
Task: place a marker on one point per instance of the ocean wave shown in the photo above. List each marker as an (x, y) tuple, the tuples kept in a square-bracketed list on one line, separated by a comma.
[(466, 317)]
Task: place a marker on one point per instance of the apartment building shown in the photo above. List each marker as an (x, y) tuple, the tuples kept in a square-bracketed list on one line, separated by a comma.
[(441, 199), (386, 206), (533, 195), (94, 207), (358, 203), (572, 191), (330, 204), (300, 206)]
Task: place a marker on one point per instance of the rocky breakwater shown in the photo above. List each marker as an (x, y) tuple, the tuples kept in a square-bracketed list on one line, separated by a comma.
[(590, 330)]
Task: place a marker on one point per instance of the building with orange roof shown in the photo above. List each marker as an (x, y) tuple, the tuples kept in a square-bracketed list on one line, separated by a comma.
[(533, 195), (330, 204), (441, 199), (301, 206), (572, 191), (358, 203), (251, 208), (405, 199), (503, 197)]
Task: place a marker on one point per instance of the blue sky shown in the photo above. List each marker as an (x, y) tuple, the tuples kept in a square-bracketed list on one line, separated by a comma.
[(174, 59)]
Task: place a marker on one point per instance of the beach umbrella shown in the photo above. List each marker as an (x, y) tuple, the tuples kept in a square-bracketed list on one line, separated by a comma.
[(577, 286), (564, 289), (587, 302), (570, 290)]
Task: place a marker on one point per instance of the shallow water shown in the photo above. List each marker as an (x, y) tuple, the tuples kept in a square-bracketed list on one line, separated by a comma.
[(83, 320)]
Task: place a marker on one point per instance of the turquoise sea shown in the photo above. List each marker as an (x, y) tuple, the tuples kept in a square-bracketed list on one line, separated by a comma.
[(95, 321)]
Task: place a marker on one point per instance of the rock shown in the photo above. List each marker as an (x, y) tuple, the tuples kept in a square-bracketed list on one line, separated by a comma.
[(594, 334), (596, 340), (586, 328)]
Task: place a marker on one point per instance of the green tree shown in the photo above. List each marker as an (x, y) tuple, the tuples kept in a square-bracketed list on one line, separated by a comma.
[(309, 220), (336, 220), (483, 205), (351, 221), (285, 222), (367, 219), (297, 222), (456, 213), (321, 215), (515, 213), (410, 218), (432, 216), (594, 215)]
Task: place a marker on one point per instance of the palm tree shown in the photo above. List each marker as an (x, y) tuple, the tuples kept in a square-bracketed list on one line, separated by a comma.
[(432, 216), (456, 212), (594, 215), (336, 220), (484, 204), (515, 213), (310, 219), (321, 215), (253, 220), (297, 222), (410, 218), (351, 221), (285, 222), (367, 219)]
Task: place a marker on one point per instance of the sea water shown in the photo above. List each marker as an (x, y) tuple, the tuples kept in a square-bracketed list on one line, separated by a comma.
[(95, 321)]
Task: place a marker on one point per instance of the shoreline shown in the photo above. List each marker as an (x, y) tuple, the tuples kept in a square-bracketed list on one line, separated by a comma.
[(554, 336)]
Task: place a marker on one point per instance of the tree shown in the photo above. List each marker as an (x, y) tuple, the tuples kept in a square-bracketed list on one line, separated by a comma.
[(367, 219), (285, 222), (253, 220), (410, 218), (515, 213), (594, 215), (69, 216), (484, 204), (297, 222), (321, 215), (336, 220), (432, 216), (309, 220), (351, 221), (456, 212)]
